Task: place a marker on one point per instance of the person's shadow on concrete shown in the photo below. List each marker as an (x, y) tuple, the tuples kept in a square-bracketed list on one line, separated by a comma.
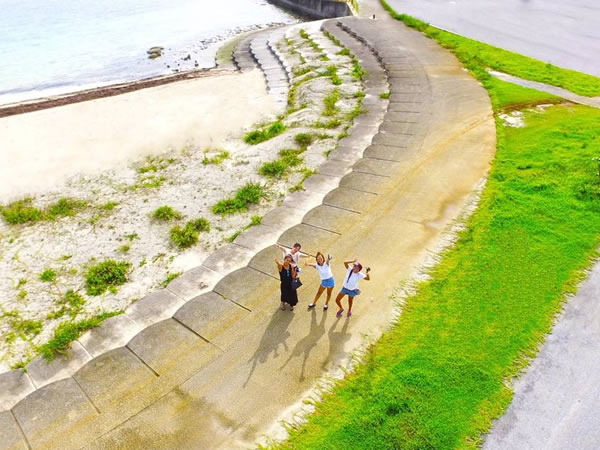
[(337, 342), (305, 345), (275, 335)]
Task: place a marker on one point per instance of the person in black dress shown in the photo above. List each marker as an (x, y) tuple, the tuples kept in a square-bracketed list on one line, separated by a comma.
[(287, 272)]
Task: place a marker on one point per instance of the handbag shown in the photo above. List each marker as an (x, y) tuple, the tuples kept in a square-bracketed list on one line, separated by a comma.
[(296, 283)]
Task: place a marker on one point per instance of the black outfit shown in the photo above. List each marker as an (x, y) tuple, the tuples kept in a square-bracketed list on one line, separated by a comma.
[(288, 295)]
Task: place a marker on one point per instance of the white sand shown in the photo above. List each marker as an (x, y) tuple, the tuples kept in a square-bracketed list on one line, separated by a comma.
[(90, 171), (41, 149)]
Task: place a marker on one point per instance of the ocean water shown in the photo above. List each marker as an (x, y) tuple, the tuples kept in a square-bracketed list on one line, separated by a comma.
[(50, 47)]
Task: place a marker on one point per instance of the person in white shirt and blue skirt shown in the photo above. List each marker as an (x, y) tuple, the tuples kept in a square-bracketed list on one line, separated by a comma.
[(350, 286), (327, 280)]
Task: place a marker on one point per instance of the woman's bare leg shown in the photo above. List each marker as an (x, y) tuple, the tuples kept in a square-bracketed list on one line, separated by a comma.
[(338, 300), (350, 300), (319, 292), (329, 291)]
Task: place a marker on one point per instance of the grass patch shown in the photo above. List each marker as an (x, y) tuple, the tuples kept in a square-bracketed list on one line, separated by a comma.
[(124, 248), (264, 134), (249, 194), (330, 102), (105, 276), (65, 207), (166, 214), (72, 303), (330, 124), (385, 95), (24, 328), (170, 277), (187, 236), (217, 159), (108, 206), (68, 332), (287, 158), (304, 139), (478, 56), (48, 275), (21, 212)]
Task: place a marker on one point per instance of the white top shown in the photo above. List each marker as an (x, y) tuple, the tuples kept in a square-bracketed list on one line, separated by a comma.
[(295, 257), (324, 271), (351, 279)]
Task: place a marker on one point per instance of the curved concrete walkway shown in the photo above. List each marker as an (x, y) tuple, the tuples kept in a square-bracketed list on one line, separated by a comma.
[(229, 363)]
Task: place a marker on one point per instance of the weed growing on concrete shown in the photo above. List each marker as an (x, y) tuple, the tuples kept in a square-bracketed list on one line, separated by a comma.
[(105, 275), (166, 214), (299, 71), (170, 277), (306, 174), (304, 139), (358, 73), (344, 52), (68, 332), (333, 39), (249, 194), (330, 102), (262, 135)]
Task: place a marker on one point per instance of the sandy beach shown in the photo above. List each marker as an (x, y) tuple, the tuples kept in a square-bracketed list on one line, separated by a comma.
[(41, 149)]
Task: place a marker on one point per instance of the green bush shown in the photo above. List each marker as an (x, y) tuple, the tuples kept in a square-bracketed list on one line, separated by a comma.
[(105, 275), (258, 136), (166, 214), (251, 193)]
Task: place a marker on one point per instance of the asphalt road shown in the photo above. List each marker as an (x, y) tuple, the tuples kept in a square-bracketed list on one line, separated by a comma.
[(556, 401), (563, 32)]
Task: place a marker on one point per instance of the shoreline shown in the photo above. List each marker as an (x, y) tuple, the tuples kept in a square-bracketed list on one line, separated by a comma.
[(111, 90)]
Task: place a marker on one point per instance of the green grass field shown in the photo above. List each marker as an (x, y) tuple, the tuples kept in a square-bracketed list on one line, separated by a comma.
[(439, 376)]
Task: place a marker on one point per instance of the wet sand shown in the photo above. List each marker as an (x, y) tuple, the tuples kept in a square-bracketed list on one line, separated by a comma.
[(41, 149)]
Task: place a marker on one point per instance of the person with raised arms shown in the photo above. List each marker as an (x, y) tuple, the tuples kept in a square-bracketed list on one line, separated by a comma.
[(327, 280), (350, 286)]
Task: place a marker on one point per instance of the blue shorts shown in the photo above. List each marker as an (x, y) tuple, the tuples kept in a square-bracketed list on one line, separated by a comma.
[(350, 293), (328, 283)]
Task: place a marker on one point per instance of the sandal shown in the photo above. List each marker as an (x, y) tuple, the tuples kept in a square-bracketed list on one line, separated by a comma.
[(282, 307), (339, 313), (312, 305), (325, 307), (349, 313)]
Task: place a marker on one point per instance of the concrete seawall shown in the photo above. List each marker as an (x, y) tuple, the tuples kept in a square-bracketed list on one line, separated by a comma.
[(316, 9)]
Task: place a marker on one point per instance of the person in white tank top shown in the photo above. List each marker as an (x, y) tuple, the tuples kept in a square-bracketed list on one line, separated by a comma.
[(327, 280)]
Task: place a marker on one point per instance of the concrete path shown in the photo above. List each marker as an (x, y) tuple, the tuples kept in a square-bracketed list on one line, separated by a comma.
[(580, 99), (229, 363), (556, 401), (565, 33)]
